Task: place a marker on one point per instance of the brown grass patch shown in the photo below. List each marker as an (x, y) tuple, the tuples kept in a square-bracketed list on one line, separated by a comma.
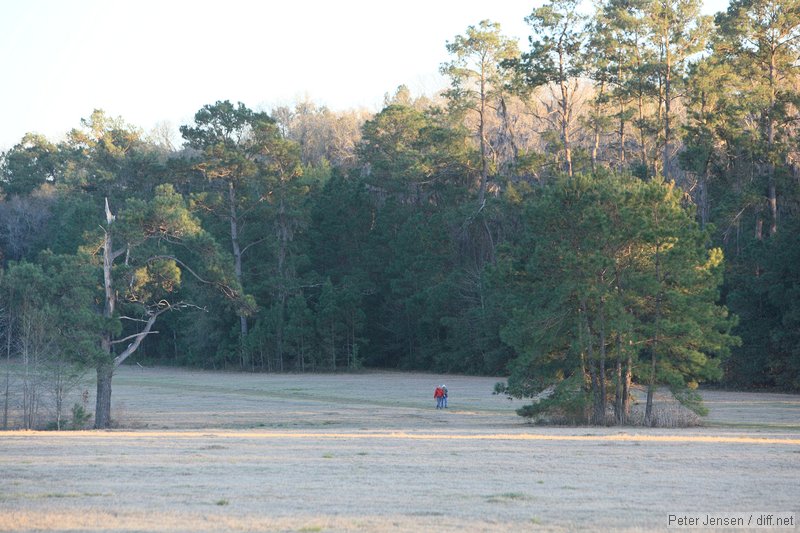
[(242, 452)]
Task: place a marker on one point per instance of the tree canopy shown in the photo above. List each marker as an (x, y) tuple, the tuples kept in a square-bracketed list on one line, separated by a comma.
[(613, 203)]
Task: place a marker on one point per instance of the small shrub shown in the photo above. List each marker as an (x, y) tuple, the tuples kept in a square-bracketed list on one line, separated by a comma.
[(507, 497), (79, 417)]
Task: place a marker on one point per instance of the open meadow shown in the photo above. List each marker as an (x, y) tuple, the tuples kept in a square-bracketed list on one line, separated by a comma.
[(207, 452)]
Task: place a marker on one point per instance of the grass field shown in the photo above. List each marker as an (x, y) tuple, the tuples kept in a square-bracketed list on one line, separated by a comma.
[(202, 451)]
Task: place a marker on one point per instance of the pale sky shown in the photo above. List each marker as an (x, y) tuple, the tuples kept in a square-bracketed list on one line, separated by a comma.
[(160, 61)]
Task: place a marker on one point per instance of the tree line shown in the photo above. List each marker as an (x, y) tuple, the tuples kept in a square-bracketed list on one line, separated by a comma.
[(614, 203)]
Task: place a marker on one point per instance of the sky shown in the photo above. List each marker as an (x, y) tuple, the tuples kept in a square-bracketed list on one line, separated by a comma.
[(158, 62)]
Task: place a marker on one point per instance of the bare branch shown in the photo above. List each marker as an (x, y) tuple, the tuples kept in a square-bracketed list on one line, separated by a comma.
[(137, 339), (119, 252), (132, 319), (133, 336), (257, 241), (226, 290)]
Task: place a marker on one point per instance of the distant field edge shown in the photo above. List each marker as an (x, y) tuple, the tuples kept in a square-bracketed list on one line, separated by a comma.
[(397, 435)]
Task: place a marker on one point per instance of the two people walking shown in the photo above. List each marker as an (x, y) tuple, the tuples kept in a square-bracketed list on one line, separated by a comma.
[(440, 394)]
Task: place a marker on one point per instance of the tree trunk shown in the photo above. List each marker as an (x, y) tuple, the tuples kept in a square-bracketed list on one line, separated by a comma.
[(102, 413), (283, 250), (105, 368), (773, 202), (640, 102), (333, 346), (642, 135), (59, 397), (584, 363), (108, 284), (597, 415), (772, 195), (705, 176), (509, 131), (602, 400), (237, 261), (619, 414), (596, 146), (565, 119), (302, 353), (6, 396), (659, 120), (621, 155), (626, 390), (667, 106), (704, 179), (8, 369), (564, 110), (482, 134), (651, 386), (620, 399)]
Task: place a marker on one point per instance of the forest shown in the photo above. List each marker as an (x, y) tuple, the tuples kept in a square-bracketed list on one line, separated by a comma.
[(614, 202)]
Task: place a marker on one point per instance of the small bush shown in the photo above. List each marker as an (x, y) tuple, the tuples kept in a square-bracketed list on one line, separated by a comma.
[(80, 417)]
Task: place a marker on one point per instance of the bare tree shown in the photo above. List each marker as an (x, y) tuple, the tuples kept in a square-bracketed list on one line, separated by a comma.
[(23, 221)]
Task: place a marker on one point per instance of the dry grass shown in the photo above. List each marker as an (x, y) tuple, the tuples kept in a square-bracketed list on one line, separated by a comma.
[(235, 452)]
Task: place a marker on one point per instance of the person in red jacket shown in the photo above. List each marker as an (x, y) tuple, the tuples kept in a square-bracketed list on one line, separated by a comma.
[(439, 395)]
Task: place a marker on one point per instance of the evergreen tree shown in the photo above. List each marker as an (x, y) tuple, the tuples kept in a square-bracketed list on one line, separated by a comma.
[(478, 81), (248, 167), (556, 60), (144, 253), (628, 267), (678, 32)]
